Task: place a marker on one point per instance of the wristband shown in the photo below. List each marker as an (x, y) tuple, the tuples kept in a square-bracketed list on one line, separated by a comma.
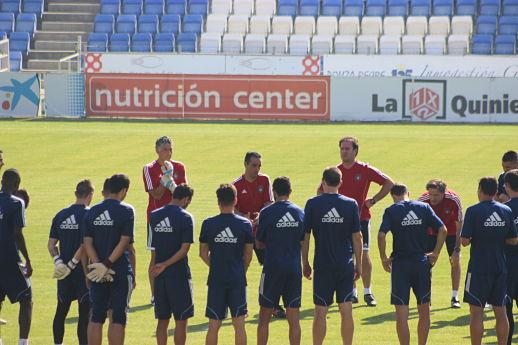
[(456, 249), (56, 258), (107, 263)]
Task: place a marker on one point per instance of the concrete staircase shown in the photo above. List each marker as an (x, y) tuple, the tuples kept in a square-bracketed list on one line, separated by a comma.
[(64, 21)]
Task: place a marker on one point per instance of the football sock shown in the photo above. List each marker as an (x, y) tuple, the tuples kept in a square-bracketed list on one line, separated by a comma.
[(23, 342), (355, 292), (454, 293), (367, 291)]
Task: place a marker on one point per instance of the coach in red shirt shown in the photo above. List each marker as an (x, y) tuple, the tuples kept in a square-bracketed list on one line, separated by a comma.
[(356, 179), (160, 178), (446, 204)]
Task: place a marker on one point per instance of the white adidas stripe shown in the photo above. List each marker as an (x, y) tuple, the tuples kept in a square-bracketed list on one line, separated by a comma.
[(335, 212), (290, 217)]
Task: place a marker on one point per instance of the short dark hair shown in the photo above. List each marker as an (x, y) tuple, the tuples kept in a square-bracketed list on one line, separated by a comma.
[(282, 186), (488, 185), (24, 195), (226, 194), (332, 176), (106, 185), (183, 191), (251, 154), (84, 188), (353, 140), (511, 178), (398, 189), (510, 156), (118, 182), (163, 140), (436, 183), (11, 180)]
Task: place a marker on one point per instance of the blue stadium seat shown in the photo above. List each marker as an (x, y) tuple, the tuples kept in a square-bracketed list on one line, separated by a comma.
[(19, 41), (3, 35), (309, 8), (398, 8), (331, 8), (148, 23), (10, 6), (26, 22), (33, 6), (7, 22), (175, 7), (353, 8), (489, 8), (120, 42), (508, 25), (420, 8), (110, 7), (505, 44), (132, 7), (198, 7), (141, 42), (163, 42), (375, 8), (97, 42), (187, 42), (442, 7), (104, 23), (466, 7), (486, 25), (287, 7), (154, 7), (170, 23), (510, 8), (192, 23), (126, 23), (482, 45), (15, 61)]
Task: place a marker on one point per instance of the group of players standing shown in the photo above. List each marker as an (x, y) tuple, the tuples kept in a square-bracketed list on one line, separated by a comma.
[(257, 216)]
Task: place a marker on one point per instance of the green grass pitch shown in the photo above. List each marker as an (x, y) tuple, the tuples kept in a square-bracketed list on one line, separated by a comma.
[(53, 156)]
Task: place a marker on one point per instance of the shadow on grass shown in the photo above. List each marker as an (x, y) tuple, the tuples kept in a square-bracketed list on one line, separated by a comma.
[(72, 320)]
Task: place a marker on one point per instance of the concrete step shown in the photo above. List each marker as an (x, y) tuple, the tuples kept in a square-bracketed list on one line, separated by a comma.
[(60, 36), (48, 55), (66, 26), (74, 7), (55, 45), (68, 17), (50, 65), (76, 1)]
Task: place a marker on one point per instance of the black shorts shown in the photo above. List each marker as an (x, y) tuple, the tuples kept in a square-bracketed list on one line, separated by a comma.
[(512, 277), (273, 285), (221, 298), (115, 296), (328, 282), (450, 243), (13, 284), (408, 275), (365, 227), (173, 296), (485, 288), (73, 287)]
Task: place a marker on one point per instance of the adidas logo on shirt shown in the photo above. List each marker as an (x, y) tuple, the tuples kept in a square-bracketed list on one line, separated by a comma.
[(494, 220), (332, 217), (287, 221), (411, 219), (225, 236), (103, 219), (69, 223), (164, 226)]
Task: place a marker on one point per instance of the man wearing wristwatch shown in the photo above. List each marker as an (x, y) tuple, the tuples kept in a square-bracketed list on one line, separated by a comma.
[(446, 204)]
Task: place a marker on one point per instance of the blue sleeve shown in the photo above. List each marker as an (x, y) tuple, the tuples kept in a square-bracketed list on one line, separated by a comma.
[(307, 218), (433, 220), (19, 215), (86, 226), (356, 227), (203, 232), (261, 227), (385, 222), (513, 232), (501, 185), (301, 225), (249, 238), (127, 228), (468, 224), (54, 229), (188, 231)]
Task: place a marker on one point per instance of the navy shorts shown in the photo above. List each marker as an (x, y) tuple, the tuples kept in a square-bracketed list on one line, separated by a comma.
[(408, 275), (450, 243), (13, 284), (365, 227), (115, 296), (483, 288), (173, 296), (273, 285), (512, 277), (329, 282), (221, 298), (73, 287)]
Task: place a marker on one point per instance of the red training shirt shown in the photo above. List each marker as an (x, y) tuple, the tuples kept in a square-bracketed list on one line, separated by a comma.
[(449, 210)]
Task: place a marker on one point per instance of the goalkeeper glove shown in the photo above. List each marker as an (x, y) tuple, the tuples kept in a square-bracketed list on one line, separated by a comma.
[(168, 182), (61, 271), (167, 168), (99, 271)]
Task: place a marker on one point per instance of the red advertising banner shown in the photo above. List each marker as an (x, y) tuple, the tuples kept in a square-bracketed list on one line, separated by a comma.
[(208, 96)]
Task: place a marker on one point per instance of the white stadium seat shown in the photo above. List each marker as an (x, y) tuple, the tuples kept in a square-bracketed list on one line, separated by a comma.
[(458, 44), (322, 44), (345, 44), (371, 26), (327, 25), (304, 25), (260, 25), (255, 44), (390, 45), (265, 7), (210, 43), (299, 44), (221, 7), (393, 26), (277, 44), (244, 7), (367, 44), (232, 43), (416, 25), (282, 25), (439, 25), (412, 45), (435, 45), (238, 24), (461, 25), (349, 26), (216, 23)]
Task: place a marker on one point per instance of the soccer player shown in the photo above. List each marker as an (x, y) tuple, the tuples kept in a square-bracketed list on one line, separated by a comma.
[(446, 205), (409, 265), (69, 263), (356, 179), (509, 162), (511, 187), (172, 229), (335, 223), (160, 178), (226, 245), (108, 230), (15, 282), (280, 231), (488, 227)]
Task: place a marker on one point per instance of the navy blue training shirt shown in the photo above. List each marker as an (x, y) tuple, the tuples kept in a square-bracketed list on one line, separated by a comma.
[(170, 226), (68, 228), (408, 221), (12, 217), (488, 224), (333, 218), (281, 228), (106, 222), (226, 234), (513, 205)]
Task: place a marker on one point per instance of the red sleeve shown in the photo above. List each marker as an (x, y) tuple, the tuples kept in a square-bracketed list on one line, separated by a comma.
[(376, 176), (457, 210), (267, 197), (148, 179), (238, 204), (180, 173)]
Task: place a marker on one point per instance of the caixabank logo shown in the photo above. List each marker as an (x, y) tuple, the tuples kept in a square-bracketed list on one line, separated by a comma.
[(424, 99)]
